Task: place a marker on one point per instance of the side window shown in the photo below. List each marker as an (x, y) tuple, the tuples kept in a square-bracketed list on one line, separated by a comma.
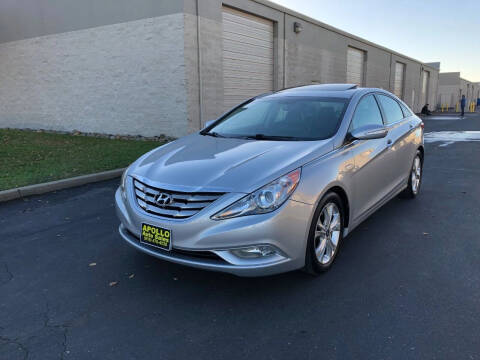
[(366, 113), (392, 110)]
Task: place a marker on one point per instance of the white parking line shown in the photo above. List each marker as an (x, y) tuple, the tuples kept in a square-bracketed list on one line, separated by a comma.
[(450, 137), (442, 118)]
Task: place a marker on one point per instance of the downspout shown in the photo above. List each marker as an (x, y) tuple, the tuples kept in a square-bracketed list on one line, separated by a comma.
[(199, 62), (420, 88), (390, 76), (284, 50)]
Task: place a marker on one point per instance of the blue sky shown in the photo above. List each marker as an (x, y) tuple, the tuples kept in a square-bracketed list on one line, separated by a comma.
[(427, 30)]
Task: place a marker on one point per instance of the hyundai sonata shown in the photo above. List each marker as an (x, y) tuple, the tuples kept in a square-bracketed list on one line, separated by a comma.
[(276, 183)]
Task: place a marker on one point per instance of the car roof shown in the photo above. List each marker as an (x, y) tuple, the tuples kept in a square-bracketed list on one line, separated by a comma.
[(323, 90)]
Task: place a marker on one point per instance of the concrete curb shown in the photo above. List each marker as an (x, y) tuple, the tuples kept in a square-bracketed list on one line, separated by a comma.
[(43, 188)]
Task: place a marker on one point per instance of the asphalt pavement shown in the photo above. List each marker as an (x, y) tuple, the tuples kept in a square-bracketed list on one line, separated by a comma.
[(406, 284)]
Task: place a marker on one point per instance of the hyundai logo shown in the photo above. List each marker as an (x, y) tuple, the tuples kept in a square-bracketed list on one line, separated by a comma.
[(163, 199)]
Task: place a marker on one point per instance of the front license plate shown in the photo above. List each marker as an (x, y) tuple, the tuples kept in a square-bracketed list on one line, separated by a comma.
[(156, 236)]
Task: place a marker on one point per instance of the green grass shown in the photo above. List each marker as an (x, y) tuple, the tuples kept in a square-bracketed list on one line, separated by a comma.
[(30, 157)]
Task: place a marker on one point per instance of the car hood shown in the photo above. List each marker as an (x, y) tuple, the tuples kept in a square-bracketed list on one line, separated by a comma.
[(205, 163)]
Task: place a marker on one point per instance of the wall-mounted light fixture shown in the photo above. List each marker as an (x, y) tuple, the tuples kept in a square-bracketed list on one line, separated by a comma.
[(297, 27)]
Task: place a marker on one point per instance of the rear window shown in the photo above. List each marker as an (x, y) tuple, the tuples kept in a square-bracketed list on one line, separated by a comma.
[(406, 111), (292, 118), (391, 108)]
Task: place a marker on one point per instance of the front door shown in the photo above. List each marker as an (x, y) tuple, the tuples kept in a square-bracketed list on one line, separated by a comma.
[(372, 177)]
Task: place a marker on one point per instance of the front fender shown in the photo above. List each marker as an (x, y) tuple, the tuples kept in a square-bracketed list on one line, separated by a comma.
[(321, 175)]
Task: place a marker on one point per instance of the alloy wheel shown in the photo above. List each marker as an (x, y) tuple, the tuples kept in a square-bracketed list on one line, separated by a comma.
[(416, 174), (327, 233)]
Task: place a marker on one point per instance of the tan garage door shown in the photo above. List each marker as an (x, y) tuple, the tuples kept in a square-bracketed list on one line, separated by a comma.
[(399, 79), (355, 66), (247, 56), (425, 84)]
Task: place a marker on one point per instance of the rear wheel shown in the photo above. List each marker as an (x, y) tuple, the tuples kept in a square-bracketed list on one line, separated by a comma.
[(326, 233), (415, 178)]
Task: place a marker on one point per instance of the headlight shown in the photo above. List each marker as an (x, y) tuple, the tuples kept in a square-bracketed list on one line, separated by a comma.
[(264, 200), (123, 181)]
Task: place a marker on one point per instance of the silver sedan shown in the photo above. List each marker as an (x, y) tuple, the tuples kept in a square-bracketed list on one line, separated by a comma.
[(276, 183)]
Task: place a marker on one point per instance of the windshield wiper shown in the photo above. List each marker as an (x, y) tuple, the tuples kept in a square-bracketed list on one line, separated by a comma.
[(214, 134), (270, 137), (254, 137)]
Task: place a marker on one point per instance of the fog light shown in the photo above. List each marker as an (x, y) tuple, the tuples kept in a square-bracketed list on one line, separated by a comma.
[(254, 252)]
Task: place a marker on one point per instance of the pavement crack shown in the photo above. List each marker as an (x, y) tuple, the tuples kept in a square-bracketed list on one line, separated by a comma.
[(9, 274), (21, 346), (64, 343), (47, 323)]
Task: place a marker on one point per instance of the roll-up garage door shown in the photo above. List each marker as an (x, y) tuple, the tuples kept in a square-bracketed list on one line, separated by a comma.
[(425, 83), (247, 56), (399, 78), (355, 66)]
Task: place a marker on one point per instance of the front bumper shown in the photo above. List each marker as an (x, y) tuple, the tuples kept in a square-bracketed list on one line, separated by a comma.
[(205, 243)]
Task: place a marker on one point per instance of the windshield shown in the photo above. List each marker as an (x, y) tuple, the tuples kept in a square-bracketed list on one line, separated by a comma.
[(285, 118)]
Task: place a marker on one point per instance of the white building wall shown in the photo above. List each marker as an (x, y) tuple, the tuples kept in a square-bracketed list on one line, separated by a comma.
[(126, 78), (163, 74)]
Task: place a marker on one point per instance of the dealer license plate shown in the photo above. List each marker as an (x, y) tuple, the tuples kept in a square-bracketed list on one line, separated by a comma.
[(156, 236)]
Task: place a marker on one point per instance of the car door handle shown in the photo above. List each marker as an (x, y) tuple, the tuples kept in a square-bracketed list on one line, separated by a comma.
[(389, 142)]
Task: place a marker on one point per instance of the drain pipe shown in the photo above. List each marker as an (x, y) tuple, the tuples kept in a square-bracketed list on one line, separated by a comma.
[(284, 50), (390, 76), (199, 62)]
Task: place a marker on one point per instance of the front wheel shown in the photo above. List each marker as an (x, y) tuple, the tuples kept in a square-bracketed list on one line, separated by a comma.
[(326, 233), (415, 178)]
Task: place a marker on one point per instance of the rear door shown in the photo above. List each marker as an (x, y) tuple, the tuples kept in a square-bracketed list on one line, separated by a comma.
[(399, 138)]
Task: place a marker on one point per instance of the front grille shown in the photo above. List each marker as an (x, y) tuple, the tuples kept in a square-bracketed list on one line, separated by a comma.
[(183, 204), (198, 254)]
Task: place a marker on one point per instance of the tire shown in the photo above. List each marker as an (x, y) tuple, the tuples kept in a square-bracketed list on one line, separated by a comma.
[(414, 178), (317, 260)]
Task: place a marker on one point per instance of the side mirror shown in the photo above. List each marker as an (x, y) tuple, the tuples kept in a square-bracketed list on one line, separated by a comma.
[(208, 123), (369, 132)]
